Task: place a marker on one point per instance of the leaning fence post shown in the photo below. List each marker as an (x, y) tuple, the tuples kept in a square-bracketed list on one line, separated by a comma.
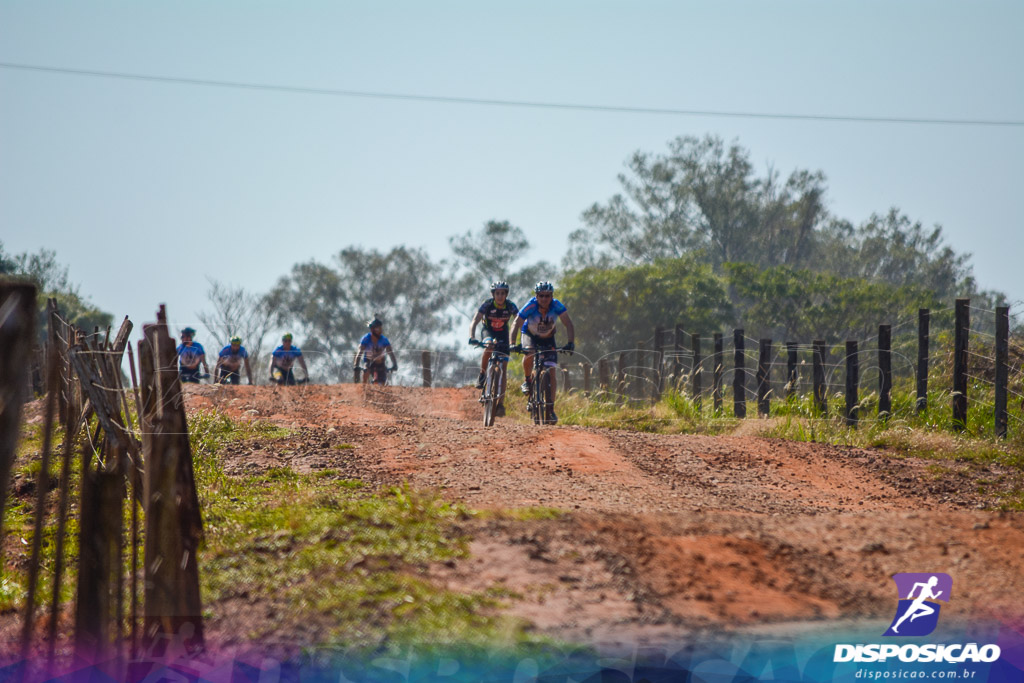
[(425, 361), (884, 371), (1002, 374), (716, 381), (739, 382), (764, 375), (586, 378), (820, 389), (923, 316), (962, 332), (852, 373)]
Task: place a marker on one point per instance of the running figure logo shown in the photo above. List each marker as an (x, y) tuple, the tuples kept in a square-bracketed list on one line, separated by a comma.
[(918, 613)]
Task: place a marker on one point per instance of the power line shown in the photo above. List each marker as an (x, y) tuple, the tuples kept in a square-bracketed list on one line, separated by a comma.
[(510, 103)]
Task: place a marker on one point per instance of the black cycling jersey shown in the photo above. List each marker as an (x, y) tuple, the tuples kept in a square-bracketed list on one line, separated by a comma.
[(496, 320)]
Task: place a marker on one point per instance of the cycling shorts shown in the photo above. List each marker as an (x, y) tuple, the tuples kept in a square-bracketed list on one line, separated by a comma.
[(546, 347)]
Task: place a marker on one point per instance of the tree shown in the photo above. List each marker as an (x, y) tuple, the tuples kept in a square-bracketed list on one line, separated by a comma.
[(614, 308), (702, 198), (51, 280), (491, 254), (238, 312), (329, 305)]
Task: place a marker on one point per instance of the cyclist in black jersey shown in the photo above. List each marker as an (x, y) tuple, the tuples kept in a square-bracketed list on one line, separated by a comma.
[(496, 313)]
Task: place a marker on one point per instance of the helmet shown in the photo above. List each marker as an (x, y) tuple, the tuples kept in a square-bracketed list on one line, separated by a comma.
[(287, 336), (374, 323), (235, 340), (189, 331), (500, 284), (543, 286)]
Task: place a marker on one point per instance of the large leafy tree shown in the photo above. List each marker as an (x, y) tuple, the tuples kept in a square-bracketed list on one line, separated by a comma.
[(329, 304), (702, 197)]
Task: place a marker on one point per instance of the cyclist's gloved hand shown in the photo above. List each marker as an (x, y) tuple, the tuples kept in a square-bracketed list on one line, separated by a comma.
[(473, 341), (394, 368), (570, 347), (518, 348)]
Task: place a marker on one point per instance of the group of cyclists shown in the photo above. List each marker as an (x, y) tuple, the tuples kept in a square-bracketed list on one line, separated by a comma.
[(502, 322)]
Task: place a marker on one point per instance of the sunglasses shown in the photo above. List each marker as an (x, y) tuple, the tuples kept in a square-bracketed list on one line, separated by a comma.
[(545, 296)]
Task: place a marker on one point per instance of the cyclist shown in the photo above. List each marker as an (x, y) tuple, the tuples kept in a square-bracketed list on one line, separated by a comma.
[(495, 313), (229, 362), (374, 347), (190, 355), (537, 320), (283, 359)]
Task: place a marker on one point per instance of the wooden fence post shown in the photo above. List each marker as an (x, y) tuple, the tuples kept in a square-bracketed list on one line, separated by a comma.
[(923, 317), (764, 377), (620, 378), (677, 359), (852, 379), (820, 387), (586, 378), (17, 332), (174, 526), (716, 385), (698, 369), (884, 371), (566, 383), (636, 383), (604, 374), (1002, 371), (425, 361), (659, 360), (962, 333), (791, 358), (739, 379)]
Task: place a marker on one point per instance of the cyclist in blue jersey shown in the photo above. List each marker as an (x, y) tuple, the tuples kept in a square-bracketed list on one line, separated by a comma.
[(374, 348), (283, 359), (190, 355), (537, 320), (496, 314), (229, 363)]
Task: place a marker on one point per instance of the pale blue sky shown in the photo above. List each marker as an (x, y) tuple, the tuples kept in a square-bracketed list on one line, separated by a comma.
[(145, 188)]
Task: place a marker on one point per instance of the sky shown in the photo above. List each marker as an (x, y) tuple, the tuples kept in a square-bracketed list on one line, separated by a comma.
[(146, 188)]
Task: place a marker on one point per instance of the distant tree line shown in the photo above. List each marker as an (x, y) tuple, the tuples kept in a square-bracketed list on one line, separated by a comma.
[(51, 280)]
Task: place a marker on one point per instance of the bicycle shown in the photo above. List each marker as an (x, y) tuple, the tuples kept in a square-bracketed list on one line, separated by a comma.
[(541, 400), (379, 374), (494, 380)]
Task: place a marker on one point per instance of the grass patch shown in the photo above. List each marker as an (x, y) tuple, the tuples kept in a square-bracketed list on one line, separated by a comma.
[(334, 559)]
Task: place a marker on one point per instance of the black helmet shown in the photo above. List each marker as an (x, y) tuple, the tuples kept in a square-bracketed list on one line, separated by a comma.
[(543, 286), (500, 284), (374, 323), (189, 331)]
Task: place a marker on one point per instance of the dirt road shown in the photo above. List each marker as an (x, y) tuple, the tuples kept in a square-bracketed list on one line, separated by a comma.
[(662, 534)]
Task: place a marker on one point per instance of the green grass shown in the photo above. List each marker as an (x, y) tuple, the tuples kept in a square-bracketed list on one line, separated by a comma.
[(335, 556)]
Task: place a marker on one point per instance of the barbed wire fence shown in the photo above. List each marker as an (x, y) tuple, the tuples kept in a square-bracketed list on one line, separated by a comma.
[(125, 453)]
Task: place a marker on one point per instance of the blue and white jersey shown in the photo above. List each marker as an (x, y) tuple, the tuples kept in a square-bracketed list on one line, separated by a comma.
[(374, 351), (537, 325), (285, 358), (189, 355)]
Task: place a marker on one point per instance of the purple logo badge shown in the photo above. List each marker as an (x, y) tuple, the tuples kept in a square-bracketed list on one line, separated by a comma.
[(918, 610)]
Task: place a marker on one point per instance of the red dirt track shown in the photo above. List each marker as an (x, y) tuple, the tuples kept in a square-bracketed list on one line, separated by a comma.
[(663, 534)]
